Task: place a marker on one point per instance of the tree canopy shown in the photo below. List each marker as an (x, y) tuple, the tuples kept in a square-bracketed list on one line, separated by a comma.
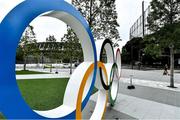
[(101, 16), (72, 47), (164, 23), (163, 13), (27, 44), (51, 38)]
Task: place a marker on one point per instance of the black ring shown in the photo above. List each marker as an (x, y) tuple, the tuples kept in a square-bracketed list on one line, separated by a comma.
[(107, 41)]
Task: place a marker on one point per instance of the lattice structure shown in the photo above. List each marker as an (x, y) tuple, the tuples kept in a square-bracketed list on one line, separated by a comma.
[(141, 23)]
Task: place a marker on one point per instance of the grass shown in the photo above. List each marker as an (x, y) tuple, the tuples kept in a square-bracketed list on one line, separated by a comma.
[(43, 94), (1, 116), (27, 72)]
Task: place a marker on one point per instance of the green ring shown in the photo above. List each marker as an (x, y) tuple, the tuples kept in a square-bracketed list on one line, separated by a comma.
[(112, 101)]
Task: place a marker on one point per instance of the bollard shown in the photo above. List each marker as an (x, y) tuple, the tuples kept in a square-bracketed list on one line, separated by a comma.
[(131, 86)]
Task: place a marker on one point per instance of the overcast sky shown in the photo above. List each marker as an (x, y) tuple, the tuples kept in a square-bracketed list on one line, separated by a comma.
[(128, 12)]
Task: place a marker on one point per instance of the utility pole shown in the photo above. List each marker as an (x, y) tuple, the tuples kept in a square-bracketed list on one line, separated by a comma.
[(143, 22)]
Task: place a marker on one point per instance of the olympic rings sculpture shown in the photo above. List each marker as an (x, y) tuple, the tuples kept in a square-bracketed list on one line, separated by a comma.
[(90, 73)]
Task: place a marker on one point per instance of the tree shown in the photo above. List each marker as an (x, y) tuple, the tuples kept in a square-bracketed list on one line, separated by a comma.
[(101, 16), (51, 38), (162, 21), (133, 50), (72, 48), (152, 48), (163, 12), (19, 55), (52, 48), (28, 43)]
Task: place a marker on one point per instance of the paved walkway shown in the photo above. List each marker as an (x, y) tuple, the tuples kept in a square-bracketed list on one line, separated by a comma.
[(144, 109), (39, 76), (151, 93), (155, 75), (110, 114), (149, 83), (47, 70), (151, 99)]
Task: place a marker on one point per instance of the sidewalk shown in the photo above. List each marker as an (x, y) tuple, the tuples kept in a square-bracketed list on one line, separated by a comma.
[(151, 90), (154, 75), (144, 109), (154, 84), (151, 99), (40, 76)]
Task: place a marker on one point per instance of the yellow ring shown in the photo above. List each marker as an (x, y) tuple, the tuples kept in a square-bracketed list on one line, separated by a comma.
[(81, 90)]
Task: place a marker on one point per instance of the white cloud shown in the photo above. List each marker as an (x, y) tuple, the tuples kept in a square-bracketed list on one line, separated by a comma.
[(128, 12), (43, 26)]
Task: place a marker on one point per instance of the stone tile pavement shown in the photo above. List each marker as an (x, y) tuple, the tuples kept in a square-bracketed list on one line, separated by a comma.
[(138, 108)]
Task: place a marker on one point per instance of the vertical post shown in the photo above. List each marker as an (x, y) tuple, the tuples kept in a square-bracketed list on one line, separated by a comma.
[(131, 77), (139, 64), (71, 53), (131, 86), (131, 56), (71, 62), (25, 62), (42, 58), (172, 66), (51, 61), (143, 22), (90, 12), (56, 67)]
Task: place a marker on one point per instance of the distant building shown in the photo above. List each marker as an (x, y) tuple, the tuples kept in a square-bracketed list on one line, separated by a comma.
[(140, 29), (137, 28)]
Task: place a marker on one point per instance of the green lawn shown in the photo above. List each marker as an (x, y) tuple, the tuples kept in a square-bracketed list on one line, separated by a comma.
[(27, 72), (1, 116), (43, 94)]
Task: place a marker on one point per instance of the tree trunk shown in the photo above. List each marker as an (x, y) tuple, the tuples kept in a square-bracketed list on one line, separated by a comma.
[(172, 67), (71, 63), (25, 63), (90, 13), (51, 62)]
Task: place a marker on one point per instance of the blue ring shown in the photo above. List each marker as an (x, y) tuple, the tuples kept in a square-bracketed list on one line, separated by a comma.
[(12, 104)]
